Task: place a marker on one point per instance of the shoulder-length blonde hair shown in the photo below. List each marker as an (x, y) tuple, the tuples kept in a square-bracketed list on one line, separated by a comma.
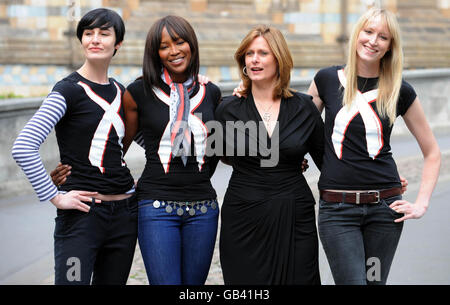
[(391, 65), (280, 50)]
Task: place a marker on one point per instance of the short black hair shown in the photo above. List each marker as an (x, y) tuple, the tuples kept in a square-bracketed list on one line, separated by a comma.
[(102, 18), (176, 27)]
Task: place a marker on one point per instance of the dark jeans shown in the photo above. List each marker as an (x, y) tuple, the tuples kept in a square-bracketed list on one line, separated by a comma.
[(98, 244), (359, 240), (177, 250)]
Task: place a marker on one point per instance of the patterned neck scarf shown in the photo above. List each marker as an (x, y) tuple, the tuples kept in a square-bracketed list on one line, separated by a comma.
[(180, 132)]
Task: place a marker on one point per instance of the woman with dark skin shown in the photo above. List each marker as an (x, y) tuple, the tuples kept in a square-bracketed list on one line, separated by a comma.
[(178, 209)]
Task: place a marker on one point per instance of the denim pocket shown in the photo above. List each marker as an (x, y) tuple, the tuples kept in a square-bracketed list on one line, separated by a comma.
[(67, 220), (144, 203), (388, 201), (147, 211), (325, 205), (71, 214)]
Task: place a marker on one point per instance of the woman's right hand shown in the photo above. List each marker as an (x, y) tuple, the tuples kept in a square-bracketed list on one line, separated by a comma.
[(60, 173), (237, 91), (73, 200), (203, 79), (404, 183)]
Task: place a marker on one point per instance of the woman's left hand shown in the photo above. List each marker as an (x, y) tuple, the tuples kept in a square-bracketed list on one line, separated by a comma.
[(60, 173), (305, 165), (410, 211)]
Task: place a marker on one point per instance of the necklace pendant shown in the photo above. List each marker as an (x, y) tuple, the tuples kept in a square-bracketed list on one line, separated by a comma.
[(266, 116)]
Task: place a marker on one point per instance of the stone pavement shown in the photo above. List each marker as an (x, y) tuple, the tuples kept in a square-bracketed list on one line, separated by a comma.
[(410, 165)]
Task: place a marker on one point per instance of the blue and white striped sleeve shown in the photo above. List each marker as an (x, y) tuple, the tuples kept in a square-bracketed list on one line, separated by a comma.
[(25, 150)]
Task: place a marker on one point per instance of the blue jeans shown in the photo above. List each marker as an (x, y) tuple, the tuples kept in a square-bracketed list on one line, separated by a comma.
[(177, 250), (359, 240)]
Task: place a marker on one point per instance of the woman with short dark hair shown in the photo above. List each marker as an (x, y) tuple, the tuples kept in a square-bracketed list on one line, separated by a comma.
[(96, 224), (102, 18)]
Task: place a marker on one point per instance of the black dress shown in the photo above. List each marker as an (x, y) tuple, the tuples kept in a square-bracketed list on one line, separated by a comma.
[(268, 230)]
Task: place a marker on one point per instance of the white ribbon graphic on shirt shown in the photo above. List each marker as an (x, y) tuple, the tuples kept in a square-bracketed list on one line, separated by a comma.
[(197, 126), (110, 119), (372, 123)]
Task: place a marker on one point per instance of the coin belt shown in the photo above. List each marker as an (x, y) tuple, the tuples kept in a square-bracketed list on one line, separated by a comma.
[(191, 206)]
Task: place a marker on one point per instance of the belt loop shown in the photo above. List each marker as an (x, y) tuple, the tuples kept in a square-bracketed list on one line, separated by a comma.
[(358, 195), (343, 197), (128, 203), (130, 200)]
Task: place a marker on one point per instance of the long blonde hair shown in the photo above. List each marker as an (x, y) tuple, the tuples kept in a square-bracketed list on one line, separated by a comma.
[(281, 52), (391, 65)]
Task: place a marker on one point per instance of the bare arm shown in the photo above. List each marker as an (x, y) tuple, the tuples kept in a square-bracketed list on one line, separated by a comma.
[(417, 123), (312, 90), (131, 120)]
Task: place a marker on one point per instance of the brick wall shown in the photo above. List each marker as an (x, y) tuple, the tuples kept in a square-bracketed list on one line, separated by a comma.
[(33, 31)]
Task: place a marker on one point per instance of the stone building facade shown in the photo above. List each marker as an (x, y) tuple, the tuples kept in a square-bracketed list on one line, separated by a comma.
[(38, 44)]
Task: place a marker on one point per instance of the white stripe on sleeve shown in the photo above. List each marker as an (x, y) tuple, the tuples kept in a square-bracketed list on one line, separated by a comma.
[(25, 150)]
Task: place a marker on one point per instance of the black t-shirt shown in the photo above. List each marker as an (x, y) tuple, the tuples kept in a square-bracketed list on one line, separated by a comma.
[(357, 153), (90, 135), (165, 177)]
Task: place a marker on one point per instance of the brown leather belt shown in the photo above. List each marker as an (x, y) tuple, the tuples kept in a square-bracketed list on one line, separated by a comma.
[(360, 197)]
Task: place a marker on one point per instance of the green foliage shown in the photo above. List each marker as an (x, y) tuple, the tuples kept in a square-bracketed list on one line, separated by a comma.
[(9, 95)]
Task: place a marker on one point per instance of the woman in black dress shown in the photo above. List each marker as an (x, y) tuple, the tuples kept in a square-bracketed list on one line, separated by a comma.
[(268, 232)]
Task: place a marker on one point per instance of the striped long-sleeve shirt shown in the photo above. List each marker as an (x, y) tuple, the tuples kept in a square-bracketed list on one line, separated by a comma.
[(89, 122), (26, 147)]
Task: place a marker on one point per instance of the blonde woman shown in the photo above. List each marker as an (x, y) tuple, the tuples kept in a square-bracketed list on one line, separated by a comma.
[(268, 232), (361, 208)]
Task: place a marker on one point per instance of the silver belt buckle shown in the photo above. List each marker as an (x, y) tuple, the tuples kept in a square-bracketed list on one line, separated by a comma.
[(377, 193)]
